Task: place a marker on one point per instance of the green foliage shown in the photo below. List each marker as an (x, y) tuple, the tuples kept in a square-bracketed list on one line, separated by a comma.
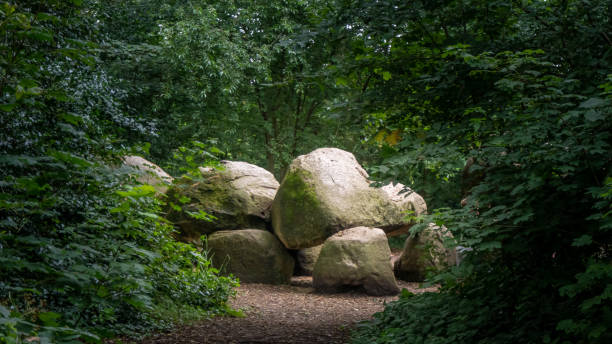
[(522, 88), (397, 242), (435, 318), (84, 253), (187, 278), (250, 75), (187, 159), (15, 330), (520, 91)]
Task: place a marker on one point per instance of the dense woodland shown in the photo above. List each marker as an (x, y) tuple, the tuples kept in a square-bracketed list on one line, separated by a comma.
[(519, 90)]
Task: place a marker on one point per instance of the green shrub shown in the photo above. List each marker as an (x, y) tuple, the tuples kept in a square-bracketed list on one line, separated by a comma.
[(524, 89), (84, 251)]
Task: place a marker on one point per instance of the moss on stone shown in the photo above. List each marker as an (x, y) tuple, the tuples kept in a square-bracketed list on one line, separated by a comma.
[(252, 255), (297, 212), (211, 196)]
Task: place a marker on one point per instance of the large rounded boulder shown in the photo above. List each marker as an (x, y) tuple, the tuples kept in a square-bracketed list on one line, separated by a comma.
[(147, 172), (239, 195), (356, 257), (326, 191), (427, 250), (252, 255)]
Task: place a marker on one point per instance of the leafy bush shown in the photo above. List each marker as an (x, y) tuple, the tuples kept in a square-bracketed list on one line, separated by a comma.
[(523, 89), (81, 247)]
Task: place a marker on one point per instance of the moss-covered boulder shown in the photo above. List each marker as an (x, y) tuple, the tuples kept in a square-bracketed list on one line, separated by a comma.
[(146, 172), (425, 251), (252, 255), (238, 196), (326, 191), (356, 257)]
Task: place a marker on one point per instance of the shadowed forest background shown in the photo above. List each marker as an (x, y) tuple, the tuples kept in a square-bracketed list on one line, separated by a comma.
[(520, 91)]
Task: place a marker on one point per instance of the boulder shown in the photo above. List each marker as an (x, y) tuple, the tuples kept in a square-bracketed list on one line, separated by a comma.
[(408, 201), (252, 255), (356, 257), (306, 259), (425, 251), (239, 196), (326, 191), (149, 173)]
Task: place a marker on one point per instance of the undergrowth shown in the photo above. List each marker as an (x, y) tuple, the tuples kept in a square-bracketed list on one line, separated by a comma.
[(85, 252)]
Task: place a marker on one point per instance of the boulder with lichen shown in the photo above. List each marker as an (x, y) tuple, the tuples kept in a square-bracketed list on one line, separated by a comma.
[(326, 191), (239, 195), (356, 257)]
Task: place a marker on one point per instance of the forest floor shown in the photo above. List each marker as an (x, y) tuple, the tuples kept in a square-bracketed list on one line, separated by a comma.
[(285, 314)]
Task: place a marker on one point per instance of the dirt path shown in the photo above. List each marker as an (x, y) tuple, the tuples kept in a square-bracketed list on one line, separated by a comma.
[(285, 314)]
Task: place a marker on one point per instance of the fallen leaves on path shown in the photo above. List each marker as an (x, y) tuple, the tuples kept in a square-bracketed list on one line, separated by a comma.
[(285, 314)]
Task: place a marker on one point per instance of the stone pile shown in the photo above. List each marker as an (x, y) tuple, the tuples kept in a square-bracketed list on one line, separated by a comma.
[(325, 213), (238, 196), (327, 191)]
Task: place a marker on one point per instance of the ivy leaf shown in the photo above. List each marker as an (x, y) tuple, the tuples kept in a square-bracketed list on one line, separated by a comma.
[(49, 318), (594, 115), (40, 35), (175, 207), (70, 118), (489, 245), (70, 158), (102, 292), (201, 215), (138, 191), (583, 240), (7, 107), (593, 103)]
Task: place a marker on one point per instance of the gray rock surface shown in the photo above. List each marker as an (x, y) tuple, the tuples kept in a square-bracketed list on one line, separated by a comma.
[(423, 252), (326, 191), (149, 173), (356, 257), (252, 255), (408, 201), (306, 259), (238, 196)]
